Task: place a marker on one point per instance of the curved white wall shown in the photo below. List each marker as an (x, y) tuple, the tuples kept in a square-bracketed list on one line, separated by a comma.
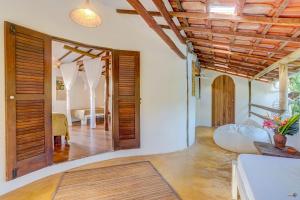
[(163, 73)]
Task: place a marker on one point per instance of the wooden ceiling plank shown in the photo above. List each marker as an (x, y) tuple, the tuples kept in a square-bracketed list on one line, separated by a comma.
[(287, 59), (233, 53), (243, 68), (279, 11), (136, 4), (233, 18), (231, 45), (164, 12), (241, 34), (179, 6), (240, 7), (235, 73), (233, 61)]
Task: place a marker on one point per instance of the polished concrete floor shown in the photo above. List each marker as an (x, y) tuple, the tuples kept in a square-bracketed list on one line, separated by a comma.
[(202, 172)]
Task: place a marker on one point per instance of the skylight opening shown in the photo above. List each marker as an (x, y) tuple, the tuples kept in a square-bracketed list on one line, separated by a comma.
[(221, 9)]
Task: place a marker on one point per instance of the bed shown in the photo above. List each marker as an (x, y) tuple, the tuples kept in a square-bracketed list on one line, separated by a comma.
[(60, 127), (83, 114), (258, 177)]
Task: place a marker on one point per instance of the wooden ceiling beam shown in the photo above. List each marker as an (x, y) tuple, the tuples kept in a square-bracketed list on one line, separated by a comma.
[(81, 56), (140, 9), (240, 67), (247, 47), (241, 34), (179, 6), (226, 71), (240, 7), (231, 60), (278, 12), (233, 18), (165, 13), (80, 51), (201, 48), (234, 73), (66, 54)]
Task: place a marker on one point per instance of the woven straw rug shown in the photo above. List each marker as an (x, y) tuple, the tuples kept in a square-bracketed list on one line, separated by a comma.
[(134, 181)]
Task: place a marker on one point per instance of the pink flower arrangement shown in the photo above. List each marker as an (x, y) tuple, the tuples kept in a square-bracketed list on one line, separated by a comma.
[(269, 124), (287, 126)]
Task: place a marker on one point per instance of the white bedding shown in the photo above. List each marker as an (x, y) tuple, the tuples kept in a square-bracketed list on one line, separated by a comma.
[(268, 178)]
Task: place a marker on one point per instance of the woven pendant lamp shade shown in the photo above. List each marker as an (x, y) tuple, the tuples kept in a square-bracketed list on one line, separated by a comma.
[(85, 16)]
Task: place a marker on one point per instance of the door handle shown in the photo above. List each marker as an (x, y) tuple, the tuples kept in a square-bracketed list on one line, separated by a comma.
[(11, 97)]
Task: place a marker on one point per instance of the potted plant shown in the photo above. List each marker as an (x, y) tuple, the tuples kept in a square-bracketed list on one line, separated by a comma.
[(288, 126)]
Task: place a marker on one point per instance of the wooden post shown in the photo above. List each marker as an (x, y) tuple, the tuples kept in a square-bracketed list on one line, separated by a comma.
[(106, 109), (283, 87), (250, 98)]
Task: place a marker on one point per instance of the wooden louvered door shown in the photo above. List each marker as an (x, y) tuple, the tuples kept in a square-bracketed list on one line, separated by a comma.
[(126, 99), (223, 101), (28, 100)]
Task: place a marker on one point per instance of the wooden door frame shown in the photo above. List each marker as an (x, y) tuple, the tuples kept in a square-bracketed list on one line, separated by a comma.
[(213, 98), (71, 42)]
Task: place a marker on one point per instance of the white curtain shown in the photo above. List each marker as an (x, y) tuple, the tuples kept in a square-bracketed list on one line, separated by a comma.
[(69, 73), (93, 70), (82, 75)]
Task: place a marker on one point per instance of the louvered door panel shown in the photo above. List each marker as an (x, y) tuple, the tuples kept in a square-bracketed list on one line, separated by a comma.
[(126, 99), (30, 125), (127, 76), (127, 119), (28, 103), (29, 64)]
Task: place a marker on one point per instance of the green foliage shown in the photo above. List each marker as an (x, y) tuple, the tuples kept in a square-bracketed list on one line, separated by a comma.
[(291, 127), (294, 84)]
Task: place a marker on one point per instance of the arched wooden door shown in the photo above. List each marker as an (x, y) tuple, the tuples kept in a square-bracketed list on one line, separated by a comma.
[(223, 101)]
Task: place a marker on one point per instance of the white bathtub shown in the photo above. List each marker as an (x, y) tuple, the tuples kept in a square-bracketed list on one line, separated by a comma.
[(239, 138)]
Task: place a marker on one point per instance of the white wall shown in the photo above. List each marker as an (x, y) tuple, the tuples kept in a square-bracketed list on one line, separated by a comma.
[(163, 73), (80, 97), (262, 93)]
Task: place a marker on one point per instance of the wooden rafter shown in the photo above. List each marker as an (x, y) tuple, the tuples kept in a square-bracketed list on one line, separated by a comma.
[(248, 42), (80, 51), (164, 12), (140, 9), (233, 53), (210, 16), (66, 54), (241, 34), (230, 66), (240, 7), (205, 56), (280, 9), (230, 61), (180, 8), (230, 45), (81, 56)]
